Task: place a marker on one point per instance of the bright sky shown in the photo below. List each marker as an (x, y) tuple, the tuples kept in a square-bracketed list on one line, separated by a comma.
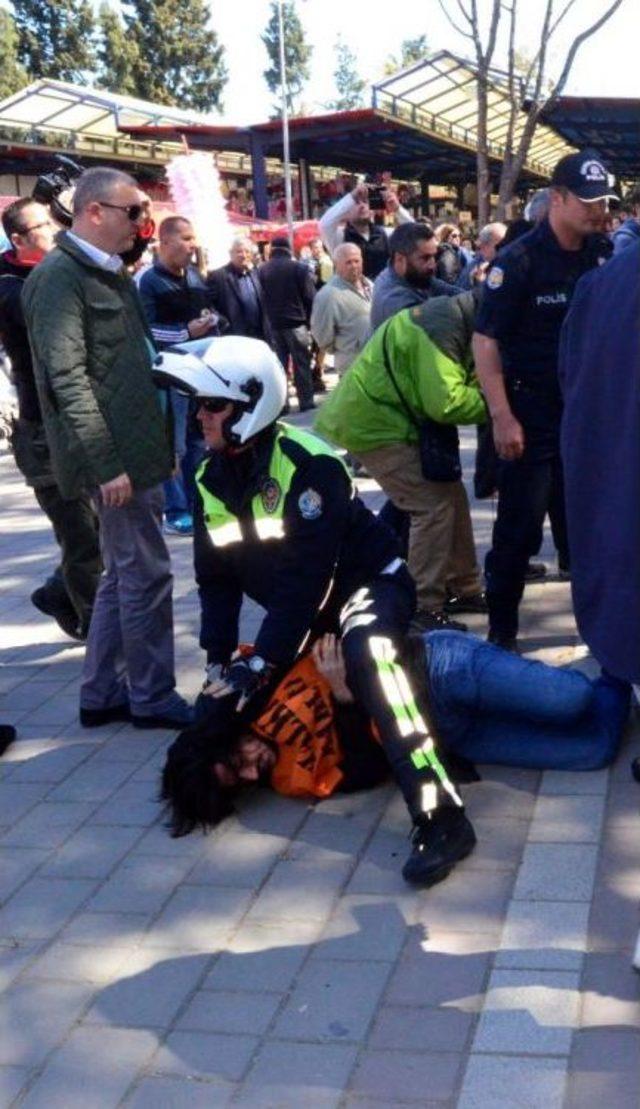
[(606, 65)]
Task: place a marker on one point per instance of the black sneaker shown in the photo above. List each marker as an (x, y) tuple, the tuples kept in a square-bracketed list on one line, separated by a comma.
[(7, 736), (64, 615), (425, 621), (507, 642), (440, 840), (97, 718), (472, 602), (535, 571)]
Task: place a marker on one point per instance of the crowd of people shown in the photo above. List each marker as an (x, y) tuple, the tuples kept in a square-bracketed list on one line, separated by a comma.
[(154, 405)]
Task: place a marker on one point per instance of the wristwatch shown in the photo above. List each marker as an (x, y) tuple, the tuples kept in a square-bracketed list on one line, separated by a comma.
[(257, 665)]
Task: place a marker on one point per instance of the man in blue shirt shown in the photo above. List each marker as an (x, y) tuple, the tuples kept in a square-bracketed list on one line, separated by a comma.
[(525, 299)]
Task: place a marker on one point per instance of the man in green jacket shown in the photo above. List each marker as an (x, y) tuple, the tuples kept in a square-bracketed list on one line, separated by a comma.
[(428, 354), (92, 358)]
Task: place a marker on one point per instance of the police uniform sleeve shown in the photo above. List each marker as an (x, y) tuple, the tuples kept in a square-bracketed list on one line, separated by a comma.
[(503, 295), (316, 515), (220, 595)]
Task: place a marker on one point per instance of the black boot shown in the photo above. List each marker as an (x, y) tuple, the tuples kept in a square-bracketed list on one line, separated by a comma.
[(440, 840)]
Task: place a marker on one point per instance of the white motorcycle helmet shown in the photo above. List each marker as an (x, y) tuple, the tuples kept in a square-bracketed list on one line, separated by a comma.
[(243, 371)]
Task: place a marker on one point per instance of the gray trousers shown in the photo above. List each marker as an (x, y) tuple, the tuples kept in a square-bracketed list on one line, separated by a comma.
[(129, 656)]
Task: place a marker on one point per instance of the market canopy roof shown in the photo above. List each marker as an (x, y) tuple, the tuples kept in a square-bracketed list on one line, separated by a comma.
[(610, 126), (85, 120), (422, 122)]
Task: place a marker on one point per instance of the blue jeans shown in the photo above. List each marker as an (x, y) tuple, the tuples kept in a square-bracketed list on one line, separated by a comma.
[(179, 490), (494, 707)]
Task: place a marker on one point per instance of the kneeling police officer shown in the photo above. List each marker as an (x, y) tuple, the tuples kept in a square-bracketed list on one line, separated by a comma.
[(278, 520)]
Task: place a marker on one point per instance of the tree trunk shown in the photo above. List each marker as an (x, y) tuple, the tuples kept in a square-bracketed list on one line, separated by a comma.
[(482, 158)]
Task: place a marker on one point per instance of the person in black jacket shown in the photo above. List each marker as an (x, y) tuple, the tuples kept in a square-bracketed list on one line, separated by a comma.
[(179, 306), (277, 520), (289, 291), (69, 593), (237, 293)]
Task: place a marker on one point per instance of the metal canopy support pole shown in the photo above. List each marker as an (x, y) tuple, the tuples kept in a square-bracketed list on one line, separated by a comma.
[(259, 175), (425, 199), (304, 177), (285, 129)]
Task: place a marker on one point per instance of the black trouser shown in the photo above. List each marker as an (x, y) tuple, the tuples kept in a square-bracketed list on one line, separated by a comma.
[(528, 488), (373, 622), (296, 341), (76, 529)]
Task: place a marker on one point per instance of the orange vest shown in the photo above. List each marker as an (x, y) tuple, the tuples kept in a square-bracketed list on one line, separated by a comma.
[(299, 721)]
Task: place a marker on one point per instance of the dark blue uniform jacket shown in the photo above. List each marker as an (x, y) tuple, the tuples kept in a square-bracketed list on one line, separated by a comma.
[(600, 377), (333, 545), (525, 299)]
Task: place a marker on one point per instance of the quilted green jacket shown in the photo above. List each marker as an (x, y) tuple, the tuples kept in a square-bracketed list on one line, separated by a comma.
[(92, 355), (429, 349)]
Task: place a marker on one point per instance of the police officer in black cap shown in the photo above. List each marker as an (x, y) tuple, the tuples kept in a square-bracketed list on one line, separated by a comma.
[(525, 299)]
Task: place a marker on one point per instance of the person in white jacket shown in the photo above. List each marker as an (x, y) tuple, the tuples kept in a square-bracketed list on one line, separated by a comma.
[(351, 220)]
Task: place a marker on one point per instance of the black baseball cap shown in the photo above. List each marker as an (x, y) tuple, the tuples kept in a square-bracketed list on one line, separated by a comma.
[(584, 175)]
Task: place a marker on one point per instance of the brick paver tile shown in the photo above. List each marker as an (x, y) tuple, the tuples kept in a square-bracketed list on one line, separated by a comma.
[(547, 935), (435, 978), (333, 1001), (263, 956), (363, 927), (556, 872), (469, 901), (289, 1076), (610, 992), (139, 885), (235, 1013), (73, 963), (529, 1013), (239, 859), (17, 798), (198, 918), (498, 1081), (12, 1081), (48, 825), (567, 819), (563, 782), (37, 1016), (93, 781), (421, 1029), (16, 864), (150, 989), (42, 906), (205, 1055), (90, 853), (180, 1093), (14, 957), (94, 1067), (297, 891), (51, 765), (605, 1069), (407, 1076)]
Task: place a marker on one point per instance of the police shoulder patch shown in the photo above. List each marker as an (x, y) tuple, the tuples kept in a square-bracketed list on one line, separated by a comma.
[(270, 494), (495, 277), (310, 504)]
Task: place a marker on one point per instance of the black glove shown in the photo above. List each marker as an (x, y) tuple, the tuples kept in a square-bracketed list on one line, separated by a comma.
[(243, 677)]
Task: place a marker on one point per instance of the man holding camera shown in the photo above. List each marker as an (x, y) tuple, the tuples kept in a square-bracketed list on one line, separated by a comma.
[(352, 220)]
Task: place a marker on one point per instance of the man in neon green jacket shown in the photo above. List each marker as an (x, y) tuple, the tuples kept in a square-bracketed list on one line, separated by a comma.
[(429, 352)]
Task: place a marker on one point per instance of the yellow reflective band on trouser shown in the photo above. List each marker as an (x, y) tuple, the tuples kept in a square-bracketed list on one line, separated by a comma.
[(397, 693), (226, 534), (269, 527)]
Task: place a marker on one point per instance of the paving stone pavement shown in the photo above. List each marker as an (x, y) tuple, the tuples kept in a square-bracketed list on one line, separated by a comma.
[(281, 961)]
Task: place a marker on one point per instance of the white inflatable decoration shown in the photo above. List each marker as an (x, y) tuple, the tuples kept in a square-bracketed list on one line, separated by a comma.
[(194, 182)]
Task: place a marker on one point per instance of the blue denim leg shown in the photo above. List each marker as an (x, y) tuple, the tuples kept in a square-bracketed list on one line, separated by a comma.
[(175, 498), (493, 706)]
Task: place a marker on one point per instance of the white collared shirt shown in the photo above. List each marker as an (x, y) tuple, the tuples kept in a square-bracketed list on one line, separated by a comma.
[(111, 262)]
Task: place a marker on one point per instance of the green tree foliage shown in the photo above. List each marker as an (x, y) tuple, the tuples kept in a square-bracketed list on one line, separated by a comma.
[(12, 75), (55, 38), (179, 59), (349, 84), (117, 53), (297, 53), (411, 51)]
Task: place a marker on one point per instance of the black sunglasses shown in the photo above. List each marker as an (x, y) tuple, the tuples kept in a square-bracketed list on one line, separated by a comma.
[(134, 211), (214, 404)]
